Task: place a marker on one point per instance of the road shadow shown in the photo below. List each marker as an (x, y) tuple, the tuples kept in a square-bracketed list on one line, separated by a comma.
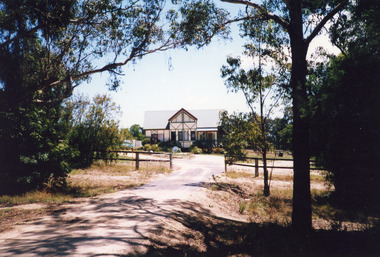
[(221, 186), (174, 228), (204, 234)]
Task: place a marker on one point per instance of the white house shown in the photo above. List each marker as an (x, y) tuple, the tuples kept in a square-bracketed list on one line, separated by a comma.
[(183, 126)]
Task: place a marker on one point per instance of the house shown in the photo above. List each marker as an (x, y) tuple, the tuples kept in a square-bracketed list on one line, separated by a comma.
[(183, 126)]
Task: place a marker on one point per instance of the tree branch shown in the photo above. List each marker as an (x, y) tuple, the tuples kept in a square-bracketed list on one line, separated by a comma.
[(268, 15), (21, 34), (323, 22)]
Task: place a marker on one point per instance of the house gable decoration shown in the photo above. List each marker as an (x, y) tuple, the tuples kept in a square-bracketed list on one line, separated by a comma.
[(183, 126)]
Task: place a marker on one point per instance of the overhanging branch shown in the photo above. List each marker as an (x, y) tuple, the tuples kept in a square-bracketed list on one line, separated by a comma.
[(323, 22), (267, 15)]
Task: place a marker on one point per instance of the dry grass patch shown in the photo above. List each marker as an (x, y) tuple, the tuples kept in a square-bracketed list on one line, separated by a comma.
[(10, 217), (242, 194), (95, 180), (238, 174), (103, 178), (36, 196)]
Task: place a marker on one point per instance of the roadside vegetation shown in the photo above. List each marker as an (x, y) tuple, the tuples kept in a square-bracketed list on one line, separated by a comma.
[(261, 225), (98, 179)]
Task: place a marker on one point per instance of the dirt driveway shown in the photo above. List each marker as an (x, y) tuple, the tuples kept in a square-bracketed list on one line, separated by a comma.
[(114, 224)]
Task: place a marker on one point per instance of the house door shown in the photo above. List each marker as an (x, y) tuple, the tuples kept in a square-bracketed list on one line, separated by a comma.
[(173, 136)]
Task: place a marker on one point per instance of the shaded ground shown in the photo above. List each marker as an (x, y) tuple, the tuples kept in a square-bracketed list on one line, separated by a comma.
[(173, 217), (112, 224)]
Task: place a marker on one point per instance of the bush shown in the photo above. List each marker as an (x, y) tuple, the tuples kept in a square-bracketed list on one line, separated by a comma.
[(168, 146), (149, 147), (218, 150), (196, 150)]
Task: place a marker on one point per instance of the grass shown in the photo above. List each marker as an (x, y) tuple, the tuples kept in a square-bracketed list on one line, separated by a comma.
[(277, 208), (270, 155), (10, 217), (237, 174), (95, 180), (275, 176)]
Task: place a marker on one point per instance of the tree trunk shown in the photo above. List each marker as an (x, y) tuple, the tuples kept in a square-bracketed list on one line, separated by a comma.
[(266, 184), (301, 216)]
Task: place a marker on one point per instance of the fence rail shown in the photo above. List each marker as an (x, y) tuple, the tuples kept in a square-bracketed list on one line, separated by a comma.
[(257, 166), (137, 158)]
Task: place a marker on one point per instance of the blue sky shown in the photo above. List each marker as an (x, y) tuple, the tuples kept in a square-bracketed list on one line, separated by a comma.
[(177, 79), (172, 80)]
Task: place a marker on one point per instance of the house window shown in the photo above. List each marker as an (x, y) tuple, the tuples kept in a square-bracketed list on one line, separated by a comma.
[(173, 136), (185, 136), (154, 138), (192, 135), (180, 135)]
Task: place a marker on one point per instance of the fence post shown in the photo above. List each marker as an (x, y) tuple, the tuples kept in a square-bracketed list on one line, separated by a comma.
[(171, 160), (225, 164), (256, 167), (137, 161)]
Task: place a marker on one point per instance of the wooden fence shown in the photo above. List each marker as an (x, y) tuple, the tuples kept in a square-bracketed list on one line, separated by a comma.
[(136, 157), (257, 166)]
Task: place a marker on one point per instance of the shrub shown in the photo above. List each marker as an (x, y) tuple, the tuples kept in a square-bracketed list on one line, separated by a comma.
[(218, 150), (195, 150), (149, 147), (168, 146)]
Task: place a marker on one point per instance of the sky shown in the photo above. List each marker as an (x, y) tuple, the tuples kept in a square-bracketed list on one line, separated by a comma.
[(178, 79)]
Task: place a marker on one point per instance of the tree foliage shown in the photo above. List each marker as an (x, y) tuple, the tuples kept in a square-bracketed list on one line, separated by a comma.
[(95, 128), (241, 133), (136, 131), (345, 124), (48, 47), (71, 39), (256, 86), (296, 24), (33, 148)]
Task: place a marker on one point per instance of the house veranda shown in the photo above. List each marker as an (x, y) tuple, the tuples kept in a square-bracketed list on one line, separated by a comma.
[(186, 127)]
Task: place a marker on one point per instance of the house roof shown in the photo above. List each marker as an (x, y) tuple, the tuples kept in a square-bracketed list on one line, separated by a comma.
[(160, 119), (182, 110)]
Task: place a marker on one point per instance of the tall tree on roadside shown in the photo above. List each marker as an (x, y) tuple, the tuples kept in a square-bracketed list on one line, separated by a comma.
[(241, 131), (256, 87), (68, 35), (49, 47), (95, 128), (346, 121), (297, 23)]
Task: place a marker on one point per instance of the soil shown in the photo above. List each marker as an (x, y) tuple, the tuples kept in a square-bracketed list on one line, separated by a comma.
[(156, 219)]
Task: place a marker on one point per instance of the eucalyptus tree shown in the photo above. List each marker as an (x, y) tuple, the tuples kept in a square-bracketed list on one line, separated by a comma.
[(346, 121), (49, 47), (70, 40), (241, 131), (94, 128), (296, 23), (256, 87)]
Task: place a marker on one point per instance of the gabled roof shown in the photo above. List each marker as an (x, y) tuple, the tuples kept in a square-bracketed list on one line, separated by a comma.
[(160, 119), (182, 110)]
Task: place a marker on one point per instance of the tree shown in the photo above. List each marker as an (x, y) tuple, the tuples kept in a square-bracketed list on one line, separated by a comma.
[(48, 47), (345, 120), (33, 149), (114, 33), (241, 131), (136, 131), (297, 23), (125, 134), (95, 128), (255, 86), (280, 133)]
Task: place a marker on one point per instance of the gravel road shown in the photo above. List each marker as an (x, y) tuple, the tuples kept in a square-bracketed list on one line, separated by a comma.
[(113, 224)]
